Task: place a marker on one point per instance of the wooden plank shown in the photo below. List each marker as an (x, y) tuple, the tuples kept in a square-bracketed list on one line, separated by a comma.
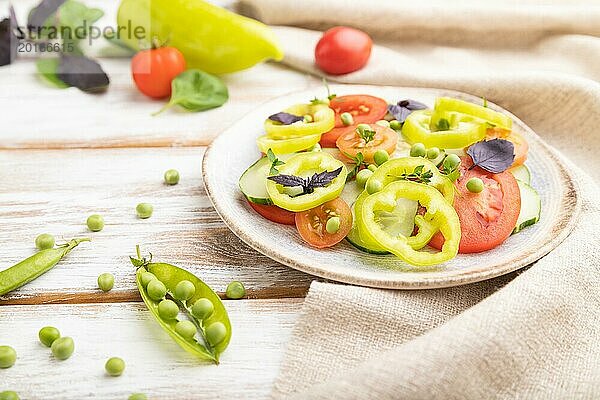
[(155, 365), (56, 190), (121, 117)]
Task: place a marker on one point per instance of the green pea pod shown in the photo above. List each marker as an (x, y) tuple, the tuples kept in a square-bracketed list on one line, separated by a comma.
[(211, 38), (34, 266), (170, 276)]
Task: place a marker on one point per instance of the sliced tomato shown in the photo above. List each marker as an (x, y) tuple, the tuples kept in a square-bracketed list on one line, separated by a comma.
[(488, 218), (311, 223), (365, 109), (521, 145), (351, 143), (274, 213)]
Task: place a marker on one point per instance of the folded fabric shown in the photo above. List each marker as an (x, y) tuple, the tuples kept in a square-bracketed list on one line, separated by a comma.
[(534, 336)]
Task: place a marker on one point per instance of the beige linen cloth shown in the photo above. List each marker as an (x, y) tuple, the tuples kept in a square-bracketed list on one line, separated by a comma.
[(534, 335)]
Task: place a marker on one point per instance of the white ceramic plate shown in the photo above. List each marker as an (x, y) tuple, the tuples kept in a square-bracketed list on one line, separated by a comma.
[(235, 149)]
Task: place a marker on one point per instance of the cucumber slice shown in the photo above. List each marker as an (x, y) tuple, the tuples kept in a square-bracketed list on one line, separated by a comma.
[(521, 173), (253, 182), (531, 207)]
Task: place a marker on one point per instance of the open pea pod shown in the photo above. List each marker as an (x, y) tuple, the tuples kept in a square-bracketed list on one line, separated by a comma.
[(170, 276)]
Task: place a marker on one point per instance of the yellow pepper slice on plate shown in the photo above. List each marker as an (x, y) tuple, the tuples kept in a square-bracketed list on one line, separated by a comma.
[(440, 214), (305, 165), (323, 120)]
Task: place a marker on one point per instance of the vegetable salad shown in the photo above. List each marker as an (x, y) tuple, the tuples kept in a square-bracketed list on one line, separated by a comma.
[(423, 184)]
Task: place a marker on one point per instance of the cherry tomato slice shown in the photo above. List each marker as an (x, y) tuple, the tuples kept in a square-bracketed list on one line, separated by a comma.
[(521, 145), (488, 218), (311, 223), (351, 143), (365, 109), (274, 213)]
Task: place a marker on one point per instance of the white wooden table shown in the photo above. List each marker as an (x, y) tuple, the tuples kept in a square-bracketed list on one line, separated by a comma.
[(65, 155)]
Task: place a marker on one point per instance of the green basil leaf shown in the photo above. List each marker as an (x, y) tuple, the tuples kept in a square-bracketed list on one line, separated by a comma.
[(196, 90), (75, 15), (46, 68)]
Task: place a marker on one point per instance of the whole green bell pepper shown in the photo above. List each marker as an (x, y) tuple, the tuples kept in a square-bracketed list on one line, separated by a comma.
[(211, 38)]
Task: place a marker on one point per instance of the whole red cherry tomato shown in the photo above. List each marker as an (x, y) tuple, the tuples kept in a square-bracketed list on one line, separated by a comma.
[(342, 50), (153, 70)]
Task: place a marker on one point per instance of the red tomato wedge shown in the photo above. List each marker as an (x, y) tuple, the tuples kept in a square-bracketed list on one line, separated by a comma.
[(351, 143), (311, 223), (488, 218), (521, 145), (274, 213), (365, 109)]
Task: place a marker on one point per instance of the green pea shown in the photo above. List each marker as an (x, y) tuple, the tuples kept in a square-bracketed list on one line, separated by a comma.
[(171, 177), (347, 118), (308, 119), (235, 290), (106, 281), (156, 290), (443, 125), (383, 122), (363, 127), (44, 241), (144, 210), (333, 225), (395, 125), (475, 185), (184, 290), (63, 347), (168, 309), (380, 156), (8, 356), (373, 186), (9, 395), (215, 333), (362, 177), (95, 223), (451, 162), (418, 150), (372, 167), (186, 328), (146, 277), (48, 335), (203, 308), (433, 153), (137, 396), (114, 366)]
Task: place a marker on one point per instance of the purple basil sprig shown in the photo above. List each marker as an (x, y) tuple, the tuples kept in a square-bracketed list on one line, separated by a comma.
[(494, 156), (286, 118), (403, 108), (309, 184)]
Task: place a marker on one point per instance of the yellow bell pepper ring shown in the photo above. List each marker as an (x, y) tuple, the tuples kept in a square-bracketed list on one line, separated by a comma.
[(416, 129), (442, 215), (287, 146), (393, 170), (487, 114), (305, 165), (211, 38), (323, 121)]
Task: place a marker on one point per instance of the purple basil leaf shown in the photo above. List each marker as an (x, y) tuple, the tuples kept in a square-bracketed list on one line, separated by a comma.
[(9, 39), (82, 72), (39, 14), (285, 118), (494, 156), (288, 180), (323, 178), (403, 108)]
